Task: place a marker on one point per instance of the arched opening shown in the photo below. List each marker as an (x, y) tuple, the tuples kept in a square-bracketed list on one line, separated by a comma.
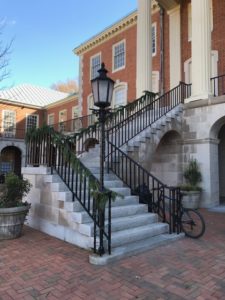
[(221, 159), (10, 160), (167, 159), (90, 143)]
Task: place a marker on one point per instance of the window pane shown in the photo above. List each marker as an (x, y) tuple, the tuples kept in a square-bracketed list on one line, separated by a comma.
[(119, 56), (9, 123), (153, 39), (120, 97), (32, 121), (95, 66)]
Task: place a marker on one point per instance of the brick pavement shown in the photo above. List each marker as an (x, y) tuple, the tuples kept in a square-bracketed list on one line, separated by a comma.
[(37, 266)]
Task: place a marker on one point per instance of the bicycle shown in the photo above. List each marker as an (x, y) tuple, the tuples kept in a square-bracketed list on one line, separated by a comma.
[(189, 220)]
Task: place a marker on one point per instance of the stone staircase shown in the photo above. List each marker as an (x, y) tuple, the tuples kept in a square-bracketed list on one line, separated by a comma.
[(134, 229)]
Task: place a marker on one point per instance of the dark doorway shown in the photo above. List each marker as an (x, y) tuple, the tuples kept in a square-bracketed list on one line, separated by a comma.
[(10, 160)]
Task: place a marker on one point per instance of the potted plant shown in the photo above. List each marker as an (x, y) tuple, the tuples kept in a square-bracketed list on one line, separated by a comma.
[(191, 190), (12, 209)]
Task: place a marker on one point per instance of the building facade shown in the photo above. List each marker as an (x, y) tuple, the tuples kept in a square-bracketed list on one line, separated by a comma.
[(154, 49), (25, 107)]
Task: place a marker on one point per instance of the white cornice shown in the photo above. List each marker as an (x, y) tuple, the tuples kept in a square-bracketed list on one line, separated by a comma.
[(111, 31)]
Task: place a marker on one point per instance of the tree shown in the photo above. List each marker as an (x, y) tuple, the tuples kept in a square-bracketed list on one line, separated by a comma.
[(69, 86), (4, 54)]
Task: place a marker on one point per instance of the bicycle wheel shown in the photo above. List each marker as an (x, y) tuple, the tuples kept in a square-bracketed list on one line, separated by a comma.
[(192, 223)]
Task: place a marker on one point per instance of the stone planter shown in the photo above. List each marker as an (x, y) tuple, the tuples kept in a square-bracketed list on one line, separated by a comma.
[(191, 199), (11, 221)]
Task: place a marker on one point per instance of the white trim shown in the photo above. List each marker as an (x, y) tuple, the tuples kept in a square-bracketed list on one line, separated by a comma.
[(118, 86), (155, 81), (91, 58), (154, 25), (49, 115), (113, 48), (3, 117)]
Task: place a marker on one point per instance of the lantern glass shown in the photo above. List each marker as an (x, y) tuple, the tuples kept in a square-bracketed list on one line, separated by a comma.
[(102, 88)]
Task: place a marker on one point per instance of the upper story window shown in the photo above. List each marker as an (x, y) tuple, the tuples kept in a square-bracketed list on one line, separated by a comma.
[(62, 119), (119, 56), (75, 112), (95, 65), (32, 121), (51, 119), (9, 123), (120, 95), (154, 39)]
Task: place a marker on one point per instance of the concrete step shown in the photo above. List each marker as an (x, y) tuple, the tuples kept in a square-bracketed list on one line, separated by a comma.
[(116, 212), (134, 248), (132, 235), (76, 206)]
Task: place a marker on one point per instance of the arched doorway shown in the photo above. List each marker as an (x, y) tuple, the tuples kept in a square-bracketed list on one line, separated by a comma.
[(221, 159), (167, 159), (10, 160)]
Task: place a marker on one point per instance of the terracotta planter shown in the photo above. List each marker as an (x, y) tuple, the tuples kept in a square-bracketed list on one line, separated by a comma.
[(191, 199), (11, 221)]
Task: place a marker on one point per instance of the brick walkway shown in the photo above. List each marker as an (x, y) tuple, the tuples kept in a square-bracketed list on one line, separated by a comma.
[(37, 266)]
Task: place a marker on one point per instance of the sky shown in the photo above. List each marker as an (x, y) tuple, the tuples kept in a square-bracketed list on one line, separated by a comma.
[(46, 31)]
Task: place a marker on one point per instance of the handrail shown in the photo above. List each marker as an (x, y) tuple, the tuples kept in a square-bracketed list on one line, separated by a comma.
[(218, 85), (128, 128), (51, 149), (168, 207)]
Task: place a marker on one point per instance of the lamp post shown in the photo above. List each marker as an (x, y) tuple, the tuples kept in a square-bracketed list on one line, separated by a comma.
[(102, 88)]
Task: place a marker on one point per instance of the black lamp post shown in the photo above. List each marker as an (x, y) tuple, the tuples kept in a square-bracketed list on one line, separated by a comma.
[(102, 88)]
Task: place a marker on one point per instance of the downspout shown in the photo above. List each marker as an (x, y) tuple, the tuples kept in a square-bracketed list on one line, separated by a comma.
[(161, 72)]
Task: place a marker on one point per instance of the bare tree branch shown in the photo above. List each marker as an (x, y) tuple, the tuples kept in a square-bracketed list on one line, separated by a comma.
[(69, 86)]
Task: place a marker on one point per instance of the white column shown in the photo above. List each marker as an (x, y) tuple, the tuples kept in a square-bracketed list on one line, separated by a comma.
[(175, 46), (144, 48), (201, 49)]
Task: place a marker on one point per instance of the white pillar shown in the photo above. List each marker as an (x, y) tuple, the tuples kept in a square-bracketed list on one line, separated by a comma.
[(175, 46), (201, 49), (144, 48)]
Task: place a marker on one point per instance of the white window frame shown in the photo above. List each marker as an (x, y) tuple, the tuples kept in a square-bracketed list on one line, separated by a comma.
[(75, 110), (27, 115), (49, 116), (7, 133), (118, 86), (91, 60), (113, 56), (154, 27)]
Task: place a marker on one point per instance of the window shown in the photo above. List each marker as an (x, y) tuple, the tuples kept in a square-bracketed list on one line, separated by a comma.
[(62, 119), (9, 123), (51, 119), (154, 39), (32, 121), (95, 65), (119, 56), (90, 102), (75, 112), (120, 95)]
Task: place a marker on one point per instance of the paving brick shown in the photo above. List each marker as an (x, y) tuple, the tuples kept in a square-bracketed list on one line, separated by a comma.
[(52, 269)]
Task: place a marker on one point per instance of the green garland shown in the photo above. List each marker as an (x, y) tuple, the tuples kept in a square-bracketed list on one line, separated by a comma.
[(64, 142)]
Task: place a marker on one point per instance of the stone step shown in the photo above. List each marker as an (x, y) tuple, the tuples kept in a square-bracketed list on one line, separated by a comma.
[(116, 212), (134, 248), (76, 206), (122, 223), (132, 235)]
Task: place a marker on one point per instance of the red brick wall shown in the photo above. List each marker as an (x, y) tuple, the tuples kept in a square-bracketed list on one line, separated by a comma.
[(218, 36), (21, 113), (68, 105)]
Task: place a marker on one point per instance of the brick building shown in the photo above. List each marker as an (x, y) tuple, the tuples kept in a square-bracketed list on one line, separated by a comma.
[(24, 107)]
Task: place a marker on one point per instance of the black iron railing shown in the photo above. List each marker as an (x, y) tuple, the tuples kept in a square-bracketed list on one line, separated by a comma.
[(128, 128), (52, 150), (163, 200), (218, 85), (10, 132), (88, 135)]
